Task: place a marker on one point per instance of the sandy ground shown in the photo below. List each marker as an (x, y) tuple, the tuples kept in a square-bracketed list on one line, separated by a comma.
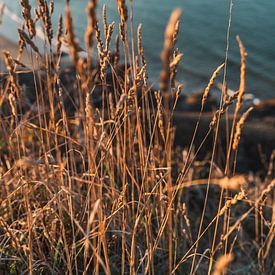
[(7, 45)]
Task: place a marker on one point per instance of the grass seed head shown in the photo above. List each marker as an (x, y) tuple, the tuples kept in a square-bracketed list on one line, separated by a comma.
[(242, 74), (92, 21), (239, 127), (222, 264), (123, 11), (210, 84), (168, 48), (26, 12)]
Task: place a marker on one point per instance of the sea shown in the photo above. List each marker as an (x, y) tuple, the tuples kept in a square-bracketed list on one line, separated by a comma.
[(202, 37)]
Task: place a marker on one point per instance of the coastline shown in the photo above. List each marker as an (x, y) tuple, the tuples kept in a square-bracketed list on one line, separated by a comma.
[(103, 170), (12, 48), (262, 130), (200, 58), (10, 24)]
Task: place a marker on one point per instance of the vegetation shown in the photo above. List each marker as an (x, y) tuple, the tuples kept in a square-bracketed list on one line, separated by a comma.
[(91, 181)]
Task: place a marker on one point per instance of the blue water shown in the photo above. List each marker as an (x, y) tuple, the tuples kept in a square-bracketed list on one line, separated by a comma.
[(202, 37)]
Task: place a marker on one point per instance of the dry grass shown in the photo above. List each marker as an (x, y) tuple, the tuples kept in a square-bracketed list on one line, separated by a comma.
[(96, 186)]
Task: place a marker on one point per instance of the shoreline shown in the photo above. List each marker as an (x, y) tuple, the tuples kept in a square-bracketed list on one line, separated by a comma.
[(259, 83), (257, 130), (104, 170), (12, 48), (10, 24)]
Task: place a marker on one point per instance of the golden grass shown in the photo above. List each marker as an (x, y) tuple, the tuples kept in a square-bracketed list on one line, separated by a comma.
[(222, 264), (91, 182)]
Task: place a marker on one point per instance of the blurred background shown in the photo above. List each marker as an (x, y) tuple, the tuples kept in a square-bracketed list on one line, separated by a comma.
[(202, 37)]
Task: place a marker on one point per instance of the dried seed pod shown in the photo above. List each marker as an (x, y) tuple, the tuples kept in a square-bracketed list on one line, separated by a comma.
[(26, 12), (109, 36), (59, 35), (139, 35), (26, 39), (238, 197), (267, 190), (242, 74), (21, 44), (92, 21), (46, 17), (104, 20), (235, 183), (174, 66), (123, 11), (73, 45), (111, 106), (168, 49), (176, 32), (176, 60), (225, 106), (239, 127), (101, 52), (12, 74), (222, 264), (179, 89), (160, 115), (210, 84), (122, 32), (144, 64), (51, 7)]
